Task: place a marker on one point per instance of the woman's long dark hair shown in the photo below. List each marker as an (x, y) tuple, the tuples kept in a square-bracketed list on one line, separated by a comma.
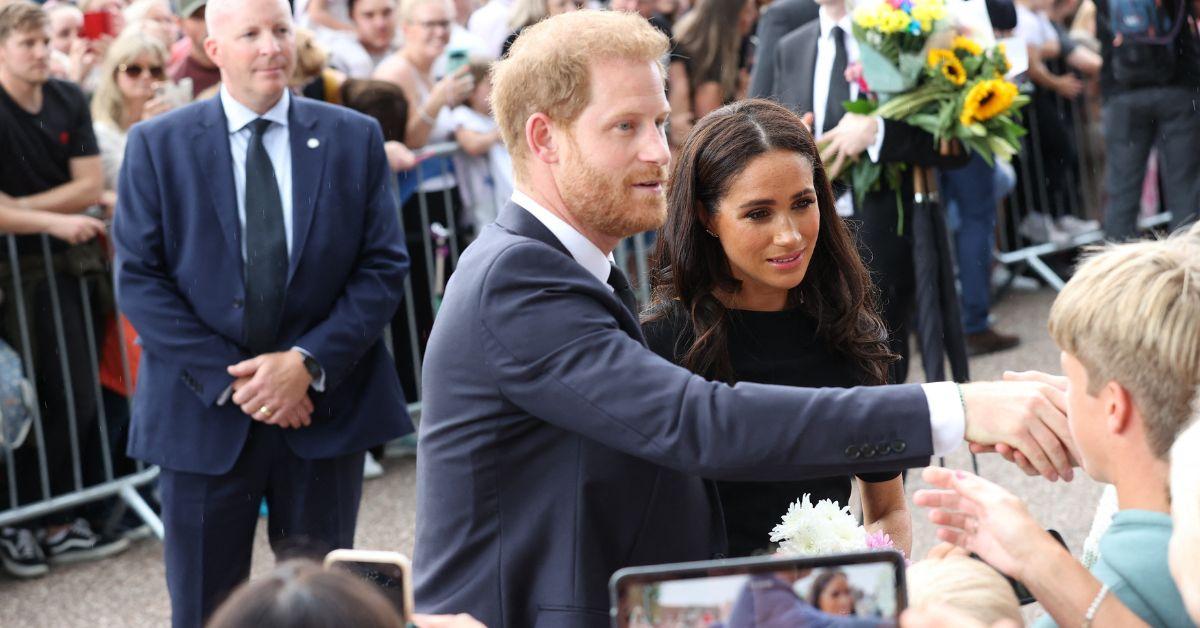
[(689, 265)]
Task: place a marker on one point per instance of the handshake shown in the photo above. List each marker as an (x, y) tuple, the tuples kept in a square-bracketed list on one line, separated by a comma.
[(1024, 419)]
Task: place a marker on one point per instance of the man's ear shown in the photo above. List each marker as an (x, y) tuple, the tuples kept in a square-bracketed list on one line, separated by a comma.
[(210, 48), (1118, 407), (540, 136)]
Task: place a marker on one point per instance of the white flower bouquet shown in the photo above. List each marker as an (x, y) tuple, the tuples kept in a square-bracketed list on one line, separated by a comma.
[(826, 528)]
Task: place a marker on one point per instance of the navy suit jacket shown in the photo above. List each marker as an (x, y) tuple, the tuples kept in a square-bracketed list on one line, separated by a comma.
[(555, 448), (180, 280)]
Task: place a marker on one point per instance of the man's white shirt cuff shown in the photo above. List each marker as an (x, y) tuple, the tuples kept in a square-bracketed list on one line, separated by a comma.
[(947, 420), (877, 145)]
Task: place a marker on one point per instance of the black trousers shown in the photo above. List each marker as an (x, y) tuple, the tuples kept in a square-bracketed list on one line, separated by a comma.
[(210, 519), (56, 398), (1134, 122)]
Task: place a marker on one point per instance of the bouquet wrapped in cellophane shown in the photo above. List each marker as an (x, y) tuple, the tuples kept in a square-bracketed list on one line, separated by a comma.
[(914, 68)]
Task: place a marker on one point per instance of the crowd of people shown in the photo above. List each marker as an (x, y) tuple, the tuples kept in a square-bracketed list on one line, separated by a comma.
[(265, 177)]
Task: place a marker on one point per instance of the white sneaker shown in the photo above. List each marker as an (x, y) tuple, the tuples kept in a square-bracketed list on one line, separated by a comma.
[(1077, 226), (371, 468), (1039, 229)]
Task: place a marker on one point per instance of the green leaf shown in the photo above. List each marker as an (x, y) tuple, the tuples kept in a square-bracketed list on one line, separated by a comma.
[(862, 106)]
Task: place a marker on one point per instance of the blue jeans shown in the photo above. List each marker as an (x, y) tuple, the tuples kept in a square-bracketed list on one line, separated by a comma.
[(970, 195)]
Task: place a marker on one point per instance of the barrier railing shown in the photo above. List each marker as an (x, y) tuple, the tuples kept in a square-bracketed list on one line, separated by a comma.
[(1080, 186), (52, 307)]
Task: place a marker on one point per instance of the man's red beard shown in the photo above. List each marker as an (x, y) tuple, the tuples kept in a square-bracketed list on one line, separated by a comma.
[(610, 206)]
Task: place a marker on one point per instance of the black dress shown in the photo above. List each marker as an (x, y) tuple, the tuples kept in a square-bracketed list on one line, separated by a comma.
[(768, 348)]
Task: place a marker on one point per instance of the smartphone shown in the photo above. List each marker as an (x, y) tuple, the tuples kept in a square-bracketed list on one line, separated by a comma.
[(759, 592), (176, 94), (1024, 597), (456, 59), (391, 572), (96, 24)]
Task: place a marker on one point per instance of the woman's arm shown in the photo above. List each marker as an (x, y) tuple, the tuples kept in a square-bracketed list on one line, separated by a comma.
[(318, 13), (681, 103), (885, 510), (475, 143), (708, 98)]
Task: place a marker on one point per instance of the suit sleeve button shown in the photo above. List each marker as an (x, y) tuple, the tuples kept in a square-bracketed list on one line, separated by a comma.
[(238, 303), (884, 448), (868, 450), (852, 452), (899, 446)]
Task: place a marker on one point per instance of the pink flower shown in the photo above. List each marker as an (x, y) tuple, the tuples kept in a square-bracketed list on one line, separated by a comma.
[(880, 540), (854, 74), (895, 4)]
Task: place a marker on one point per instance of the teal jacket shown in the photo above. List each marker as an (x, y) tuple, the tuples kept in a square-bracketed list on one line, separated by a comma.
[(1133, 563)]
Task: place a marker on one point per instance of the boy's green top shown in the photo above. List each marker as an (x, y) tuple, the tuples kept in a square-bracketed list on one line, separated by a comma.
[(1133, 563)]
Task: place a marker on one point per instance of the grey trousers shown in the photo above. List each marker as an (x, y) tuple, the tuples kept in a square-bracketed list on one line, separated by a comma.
[(1167, 117)]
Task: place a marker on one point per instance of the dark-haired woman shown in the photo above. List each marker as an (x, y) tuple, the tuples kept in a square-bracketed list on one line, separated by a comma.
[(757, 279), (831, 593)]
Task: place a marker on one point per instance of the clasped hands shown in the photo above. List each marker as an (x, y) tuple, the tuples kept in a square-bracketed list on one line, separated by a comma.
[(273, 388)]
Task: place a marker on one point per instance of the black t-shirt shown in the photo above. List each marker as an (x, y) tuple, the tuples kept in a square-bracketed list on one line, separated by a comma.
[(38, 148), (1187, 48), (768, 348)]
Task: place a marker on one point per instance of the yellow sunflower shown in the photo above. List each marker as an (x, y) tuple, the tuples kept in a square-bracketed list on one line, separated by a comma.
[(937, 56), (947, 61), (986, 100), (967, 45), (954, 72)]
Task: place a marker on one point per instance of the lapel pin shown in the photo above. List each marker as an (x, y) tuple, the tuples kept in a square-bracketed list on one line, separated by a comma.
[(313, 142)]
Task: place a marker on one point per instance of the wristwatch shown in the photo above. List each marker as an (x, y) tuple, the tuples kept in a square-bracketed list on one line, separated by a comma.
[(312, 366)]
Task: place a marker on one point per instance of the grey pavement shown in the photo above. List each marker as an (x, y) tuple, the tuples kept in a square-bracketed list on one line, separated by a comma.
[(129, 589)]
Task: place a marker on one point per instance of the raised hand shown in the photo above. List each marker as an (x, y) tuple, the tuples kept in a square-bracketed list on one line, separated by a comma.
[(984, 518)]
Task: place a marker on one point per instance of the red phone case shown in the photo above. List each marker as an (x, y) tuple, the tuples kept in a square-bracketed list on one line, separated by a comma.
[(96, 24)]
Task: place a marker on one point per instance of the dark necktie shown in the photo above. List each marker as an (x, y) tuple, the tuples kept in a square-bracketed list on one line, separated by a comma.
[(839, 88), (266, 246), (620, 286)]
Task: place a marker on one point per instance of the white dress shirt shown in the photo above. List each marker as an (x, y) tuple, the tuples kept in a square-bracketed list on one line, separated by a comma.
[(946, 416), (822, 73), (279, 150)]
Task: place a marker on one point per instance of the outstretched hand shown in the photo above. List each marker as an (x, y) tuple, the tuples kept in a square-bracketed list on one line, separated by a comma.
[(1008, 452), (1025, 416), (982, 517)]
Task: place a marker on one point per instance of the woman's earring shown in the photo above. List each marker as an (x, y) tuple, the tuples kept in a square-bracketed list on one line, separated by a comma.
[(711, 233)]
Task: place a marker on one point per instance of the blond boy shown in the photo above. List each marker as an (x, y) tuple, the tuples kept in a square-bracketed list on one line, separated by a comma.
[(1128, 324)]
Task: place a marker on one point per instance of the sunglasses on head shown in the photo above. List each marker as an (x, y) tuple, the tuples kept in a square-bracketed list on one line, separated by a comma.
[(133, 70)]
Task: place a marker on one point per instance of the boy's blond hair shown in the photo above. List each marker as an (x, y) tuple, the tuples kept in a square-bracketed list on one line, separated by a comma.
[(966, 585), (547, 69), (1131, 314)]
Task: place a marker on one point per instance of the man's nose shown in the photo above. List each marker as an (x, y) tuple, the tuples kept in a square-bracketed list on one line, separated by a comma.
[(655, 149)]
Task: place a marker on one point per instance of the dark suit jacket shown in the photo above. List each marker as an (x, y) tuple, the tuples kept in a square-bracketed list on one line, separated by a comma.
[(794, 66), (780, 18), (555, 448), (180, 282)]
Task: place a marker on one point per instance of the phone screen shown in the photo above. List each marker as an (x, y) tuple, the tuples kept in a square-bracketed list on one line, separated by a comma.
[(455, 60), (763, 595), (388, 577)]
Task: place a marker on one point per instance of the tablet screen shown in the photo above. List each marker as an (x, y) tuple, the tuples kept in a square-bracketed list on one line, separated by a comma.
[(787, 594)]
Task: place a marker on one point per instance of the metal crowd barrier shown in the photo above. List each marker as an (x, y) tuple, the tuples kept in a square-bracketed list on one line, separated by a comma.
[(84, 434), (1083, 184)]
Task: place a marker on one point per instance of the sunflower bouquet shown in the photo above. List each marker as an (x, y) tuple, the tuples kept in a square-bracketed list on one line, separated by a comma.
[(916, 71)]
